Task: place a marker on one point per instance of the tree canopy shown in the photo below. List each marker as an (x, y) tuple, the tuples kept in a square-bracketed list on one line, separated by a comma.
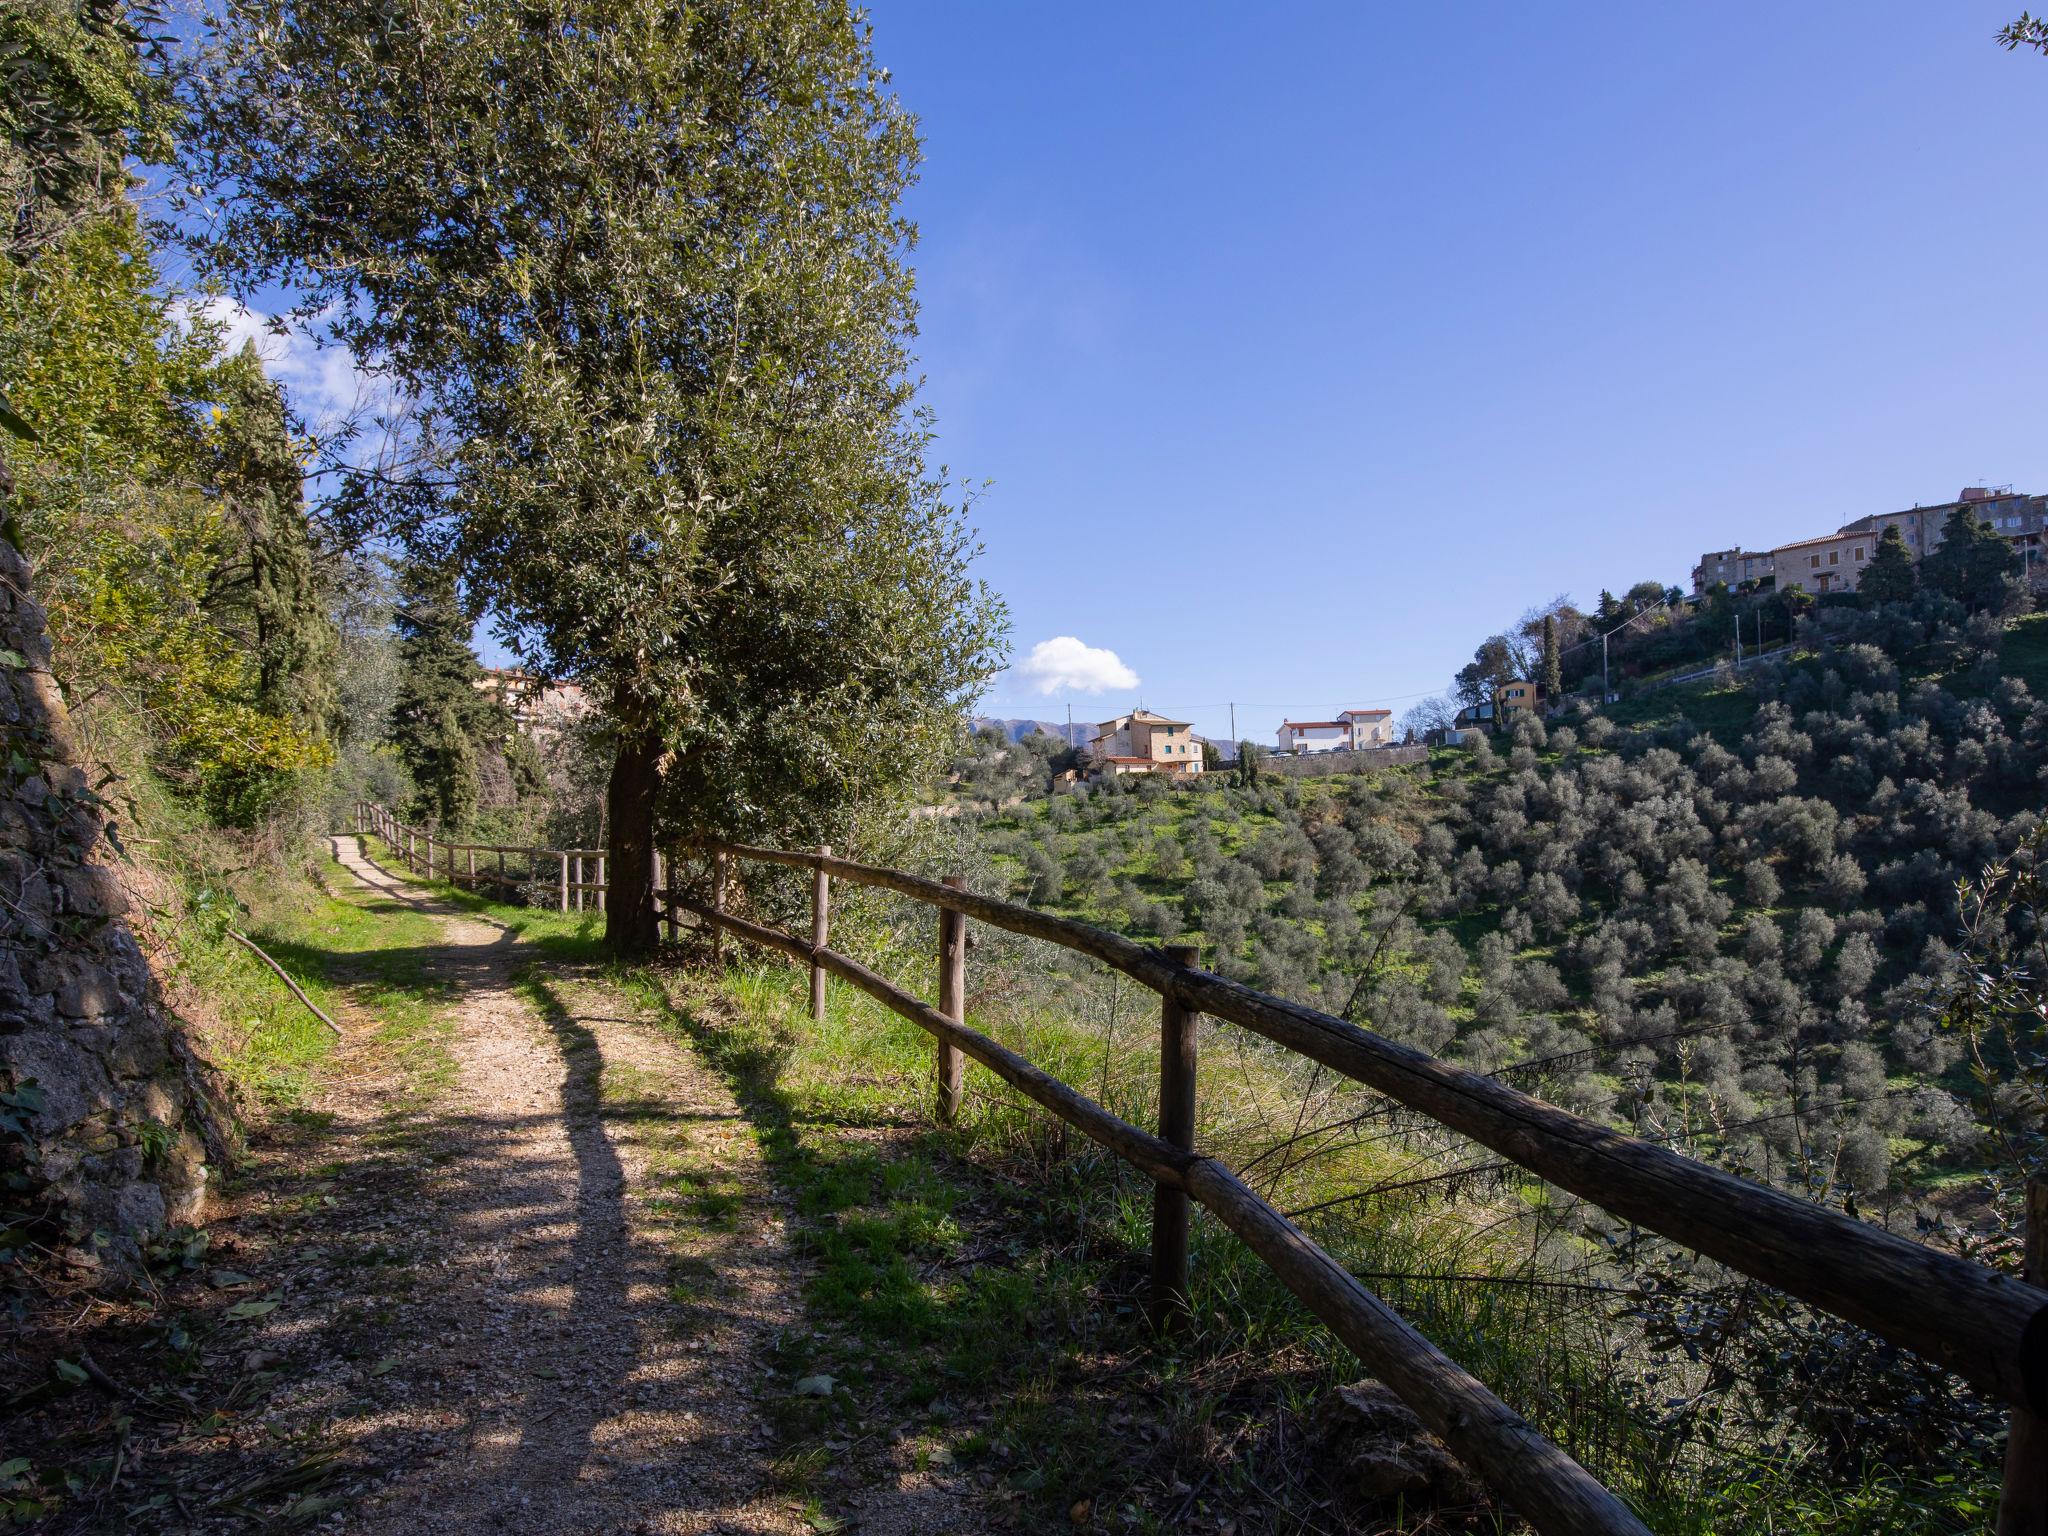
[(1973, 565), (1890, 577), (647, 281)]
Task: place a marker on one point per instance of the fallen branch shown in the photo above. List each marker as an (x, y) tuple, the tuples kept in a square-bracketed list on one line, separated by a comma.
[(282, 975)]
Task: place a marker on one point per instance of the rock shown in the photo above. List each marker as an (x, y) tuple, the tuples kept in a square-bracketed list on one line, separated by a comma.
[(1378, 1450), (81, 1013)]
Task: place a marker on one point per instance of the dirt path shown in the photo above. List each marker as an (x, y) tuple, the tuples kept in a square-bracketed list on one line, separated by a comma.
[(590, 1270)]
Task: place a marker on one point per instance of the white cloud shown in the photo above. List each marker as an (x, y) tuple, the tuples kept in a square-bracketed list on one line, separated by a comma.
[(1064, 664), (323, 384)]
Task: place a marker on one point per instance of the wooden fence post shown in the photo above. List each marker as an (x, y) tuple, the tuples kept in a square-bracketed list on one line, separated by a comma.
[(1169, 1301), (501, 870), (664, 909), (603, 890), (821, 929), (719, 864), (470, 854), (952, 1066), (578, 882), (565, 880), (2023, 1502)]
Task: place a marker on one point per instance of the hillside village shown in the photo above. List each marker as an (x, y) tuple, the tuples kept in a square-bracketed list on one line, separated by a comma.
[(1834, 562), (1647, 623)]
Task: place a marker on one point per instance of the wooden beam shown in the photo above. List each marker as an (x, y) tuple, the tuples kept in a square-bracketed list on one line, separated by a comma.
[(1557, 1495), (821, 932), (2023, 1501), (1170, 1297), (1991, 1329), (950, 1065)]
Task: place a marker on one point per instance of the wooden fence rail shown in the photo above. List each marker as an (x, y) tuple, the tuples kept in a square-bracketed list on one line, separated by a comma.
[(1989, 1328)]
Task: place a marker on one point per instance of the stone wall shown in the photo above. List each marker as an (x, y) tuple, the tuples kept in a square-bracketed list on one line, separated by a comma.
[(105, 1123)]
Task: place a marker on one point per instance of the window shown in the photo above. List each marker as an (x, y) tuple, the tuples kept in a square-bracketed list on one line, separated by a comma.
[(1859, 551), (1834, 557), (1814, 561)]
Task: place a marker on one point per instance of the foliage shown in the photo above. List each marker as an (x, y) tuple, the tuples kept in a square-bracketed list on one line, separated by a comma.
[(1973, 565), (267, 593), (123, 502), (1997, 1001), (84, 90), (2029, 31), (442, 723), (667, 346), (1890, 577)]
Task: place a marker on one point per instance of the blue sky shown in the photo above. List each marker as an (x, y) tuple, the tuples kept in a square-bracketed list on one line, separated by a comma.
[(1306, 344)]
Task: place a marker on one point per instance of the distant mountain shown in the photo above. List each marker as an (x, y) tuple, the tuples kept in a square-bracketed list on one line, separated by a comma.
[(1017, 730)]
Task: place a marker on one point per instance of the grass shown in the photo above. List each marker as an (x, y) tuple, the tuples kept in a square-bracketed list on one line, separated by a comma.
[(1721, 712), (978, 1290), (358, 955), (2024, 654)]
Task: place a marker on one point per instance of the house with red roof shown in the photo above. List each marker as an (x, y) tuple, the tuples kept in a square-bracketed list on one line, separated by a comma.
[(1352, 730)]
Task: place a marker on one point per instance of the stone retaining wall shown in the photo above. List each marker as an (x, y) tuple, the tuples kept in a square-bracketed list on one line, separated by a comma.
[(110, 1148)]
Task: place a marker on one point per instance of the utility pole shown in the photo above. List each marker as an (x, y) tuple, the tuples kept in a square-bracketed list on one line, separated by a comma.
[(1233, 725), (1070, 722)]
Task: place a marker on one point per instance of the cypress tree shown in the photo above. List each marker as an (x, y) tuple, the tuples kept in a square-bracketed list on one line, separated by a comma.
[(266, 587), (440, 717), (1973, 565), (1553, 666), (1890, 578)]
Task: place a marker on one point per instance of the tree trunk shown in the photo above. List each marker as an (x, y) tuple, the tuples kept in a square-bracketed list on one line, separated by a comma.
[(630, 923)]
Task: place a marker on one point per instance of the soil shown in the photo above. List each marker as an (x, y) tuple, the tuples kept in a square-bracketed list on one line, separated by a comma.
[(542, 1297)]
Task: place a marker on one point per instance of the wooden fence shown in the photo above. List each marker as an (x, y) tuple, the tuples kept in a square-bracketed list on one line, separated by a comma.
[(1989, 1328), (562, 870)]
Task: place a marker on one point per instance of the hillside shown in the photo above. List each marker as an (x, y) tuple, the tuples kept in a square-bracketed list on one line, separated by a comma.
[(1769, 867), (1716, 916)]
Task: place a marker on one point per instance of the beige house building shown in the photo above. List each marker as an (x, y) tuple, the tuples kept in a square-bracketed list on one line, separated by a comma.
[(1730, 567), (1511, 696), (1142, 742), (1835, 562), (533, 704)]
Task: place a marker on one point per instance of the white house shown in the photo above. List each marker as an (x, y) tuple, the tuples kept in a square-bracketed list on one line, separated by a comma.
[(1352, 730)]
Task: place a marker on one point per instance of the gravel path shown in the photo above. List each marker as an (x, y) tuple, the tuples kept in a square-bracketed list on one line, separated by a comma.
[(581, 1345)]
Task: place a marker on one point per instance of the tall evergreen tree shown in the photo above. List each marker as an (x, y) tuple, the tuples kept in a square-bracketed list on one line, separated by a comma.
[(1974, 564), (1889, 578), (1553, 666), (266, 587), (440, 717)]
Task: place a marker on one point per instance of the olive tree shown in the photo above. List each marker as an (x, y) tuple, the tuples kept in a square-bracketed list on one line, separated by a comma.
[(644, 272)]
